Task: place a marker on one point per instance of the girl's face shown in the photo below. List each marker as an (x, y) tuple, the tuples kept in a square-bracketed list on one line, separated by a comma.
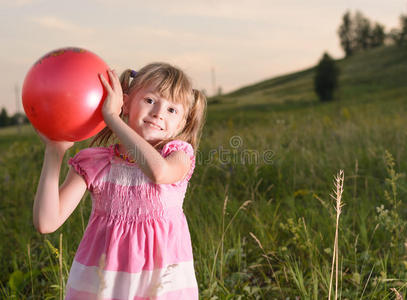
[(152, 116)]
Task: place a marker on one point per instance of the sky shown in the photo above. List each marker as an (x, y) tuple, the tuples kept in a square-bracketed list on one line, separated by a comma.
[(231, 43)]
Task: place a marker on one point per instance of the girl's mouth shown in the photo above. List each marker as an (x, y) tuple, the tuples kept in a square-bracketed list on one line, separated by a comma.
[(153, 125)]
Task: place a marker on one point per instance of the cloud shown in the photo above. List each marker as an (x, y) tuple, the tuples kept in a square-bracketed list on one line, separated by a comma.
[(243, 10), (59, 24), (17, 3), (23, 2)]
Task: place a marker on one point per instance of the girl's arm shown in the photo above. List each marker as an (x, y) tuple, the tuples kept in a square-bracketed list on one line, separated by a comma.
[(54, 204), (159, 169)]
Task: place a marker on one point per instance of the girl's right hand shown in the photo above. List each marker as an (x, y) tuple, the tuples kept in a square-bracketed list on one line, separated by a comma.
[(60, 146), (113, 103)]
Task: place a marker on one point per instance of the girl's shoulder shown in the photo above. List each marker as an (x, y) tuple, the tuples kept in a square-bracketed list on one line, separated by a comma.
[(90, 162), (93, 155), (177, 145)]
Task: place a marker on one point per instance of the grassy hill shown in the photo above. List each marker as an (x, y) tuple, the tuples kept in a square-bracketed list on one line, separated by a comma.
[(259, 209), (367, 74)]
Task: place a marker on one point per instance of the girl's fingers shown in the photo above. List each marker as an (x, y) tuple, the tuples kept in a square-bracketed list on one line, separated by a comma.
[(102, 79), (105, 83), (114, 78), (114, 99), (113, 88)]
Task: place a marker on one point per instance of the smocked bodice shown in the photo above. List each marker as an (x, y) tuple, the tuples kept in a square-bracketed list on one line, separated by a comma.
[(120, 190)]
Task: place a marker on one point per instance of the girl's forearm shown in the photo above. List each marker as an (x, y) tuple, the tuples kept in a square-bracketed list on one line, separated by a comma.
[(46, 201), (146, 156)]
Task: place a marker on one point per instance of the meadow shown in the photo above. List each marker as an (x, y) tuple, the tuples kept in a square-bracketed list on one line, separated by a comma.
[(259, 205)]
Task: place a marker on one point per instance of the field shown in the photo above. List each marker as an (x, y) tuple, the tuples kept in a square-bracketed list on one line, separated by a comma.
[(259, 205)]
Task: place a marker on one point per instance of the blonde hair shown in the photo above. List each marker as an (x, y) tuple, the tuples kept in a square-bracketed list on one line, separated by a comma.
[(172, 83)]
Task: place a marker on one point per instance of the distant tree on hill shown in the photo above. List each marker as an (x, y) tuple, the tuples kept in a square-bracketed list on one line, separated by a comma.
[(378, 35), (394, 36), (356, 33), (4, 119), (326, 78), (345, 32), (362, 32), (399, 35), (403, 23)]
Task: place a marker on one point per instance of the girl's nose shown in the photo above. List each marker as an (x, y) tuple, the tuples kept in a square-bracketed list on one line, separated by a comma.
[(157, 111)]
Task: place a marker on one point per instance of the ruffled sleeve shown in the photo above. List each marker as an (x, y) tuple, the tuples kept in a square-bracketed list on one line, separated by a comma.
[(90, 162), (179, 145)]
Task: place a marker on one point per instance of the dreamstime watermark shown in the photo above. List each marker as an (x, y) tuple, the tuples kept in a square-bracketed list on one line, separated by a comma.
[(236, 154)]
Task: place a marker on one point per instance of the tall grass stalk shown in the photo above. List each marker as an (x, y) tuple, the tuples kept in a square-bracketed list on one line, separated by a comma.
[(61, 276), (224, 230), (367, 282), (269, 263), (398, 296), (338, 190), (31, 270)]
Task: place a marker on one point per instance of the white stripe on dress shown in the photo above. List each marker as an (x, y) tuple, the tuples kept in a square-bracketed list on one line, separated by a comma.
[(125, 175), (123, 285)]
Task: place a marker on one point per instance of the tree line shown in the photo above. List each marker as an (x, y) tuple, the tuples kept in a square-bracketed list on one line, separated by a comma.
[(6, 120), (356, 33)]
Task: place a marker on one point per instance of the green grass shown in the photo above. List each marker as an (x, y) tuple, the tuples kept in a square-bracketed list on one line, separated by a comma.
[(11, 134), (280, 244)]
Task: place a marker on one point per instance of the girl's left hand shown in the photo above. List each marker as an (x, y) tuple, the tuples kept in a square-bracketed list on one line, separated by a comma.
[(114, 98)]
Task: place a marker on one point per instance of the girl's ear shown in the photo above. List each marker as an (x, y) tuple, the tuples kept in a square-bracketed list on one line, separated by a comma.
[(126, 104)]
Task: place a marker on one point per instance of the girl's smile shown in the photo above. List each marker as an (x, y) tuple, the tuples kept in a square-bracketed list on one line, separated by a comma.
[(152, 124)]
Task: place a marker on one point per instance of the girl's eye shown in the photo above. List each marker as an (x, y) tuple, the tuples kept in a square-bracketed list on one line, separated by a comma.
[(149, 100), (172, 110)]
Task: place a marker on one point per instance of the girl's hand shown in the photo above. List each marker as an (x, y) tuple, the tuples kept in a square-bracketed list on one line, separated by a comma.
[(60, 146), (114, 99)]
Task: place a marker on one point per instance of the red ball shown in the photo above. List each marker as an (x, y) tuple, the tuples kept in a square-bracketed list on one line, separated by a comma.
[(63, 95)]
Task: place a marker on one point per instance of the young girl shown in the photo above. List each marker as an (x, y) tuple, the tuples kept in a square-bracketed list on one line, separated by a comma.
[(137, 243)]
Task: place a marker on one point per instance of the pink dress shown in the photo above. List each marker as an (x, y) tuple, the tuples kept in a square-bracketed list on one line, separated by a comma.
[(137, 243)]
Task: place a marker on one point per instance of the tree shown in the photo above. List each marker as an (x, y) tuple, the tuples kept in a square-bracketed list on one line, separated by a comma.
[(377, 36), (403, 30), (399, 35), (394, 36), (362, 32), (4, 119), (326, 78), (356, 33), (345, 32), (18, 119)]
